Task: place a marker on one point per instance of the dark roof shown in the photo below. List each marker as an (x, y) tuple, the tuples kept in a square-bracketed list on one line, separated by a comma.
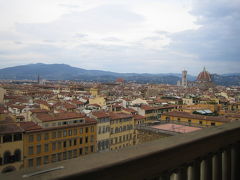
[(196, 116), (10, 128)]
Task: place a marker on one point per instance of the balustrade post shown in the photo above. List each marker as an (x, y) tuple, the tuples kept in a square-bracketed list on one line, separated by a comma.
[(217, 166), (182, 173), (207, 168), (226, 167), (165, 176), (195, 170), (235, 162)]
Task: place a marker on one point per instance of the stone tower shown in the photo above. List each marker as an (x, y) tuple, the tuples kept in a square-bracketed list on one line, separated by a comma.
[(184, 78)]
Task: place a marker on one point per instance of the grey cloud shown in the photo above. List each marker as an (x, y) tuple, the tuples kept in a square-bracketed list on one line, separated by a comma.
[(80, 35), (218, 37), (112, 39), (70, 6), (102, 19)]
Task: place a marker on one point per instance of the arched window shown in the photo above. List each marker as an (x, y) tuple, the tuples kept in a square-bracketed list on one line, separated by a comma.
[(167, 119), (17, 155), (7, 157)]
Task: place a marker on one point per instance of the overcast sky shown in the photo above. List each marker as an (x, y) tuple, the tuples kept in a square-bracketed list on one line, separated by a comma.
[(151, 36)]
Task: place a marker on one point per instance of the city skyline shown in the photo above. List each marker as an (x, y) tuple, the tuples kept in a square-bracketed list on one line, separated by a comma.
[(122, 36)]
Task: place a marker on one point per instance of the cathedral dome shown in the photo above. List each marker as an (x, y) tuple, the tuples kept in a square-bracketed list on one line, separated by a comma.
[(204, 76)]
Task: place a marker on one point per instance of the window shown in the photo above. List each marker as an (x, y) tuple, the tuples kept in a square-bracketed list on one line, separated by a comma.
[(69, 154), (59, 156), (92, 128), (86, 129), (54, 135), (92, 148), (80, 140), (64, 155), (30, 163), (189, 120), (17, 137), (46, 136), (212, 123), (86, 150), (45, 160), (59, 145), (30, 138), (54, 146), (30, 150), (38, 149), (75, 132), (75, 153), (64, 133), (92, 138), (39, 161), (75, 142), (81, 130), (39, 137), (200, 122), (7, 138), (46, 147), (17, 154), (80, 151), (59, 134), (70, 142), (54, 158), (64, 144), (99, 130), (7, 157), (86, 139), (70, 132)]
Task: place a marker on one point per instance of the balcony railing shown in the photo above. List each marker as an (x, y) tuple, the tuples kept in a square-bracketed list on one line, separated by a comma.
[(208, 154)]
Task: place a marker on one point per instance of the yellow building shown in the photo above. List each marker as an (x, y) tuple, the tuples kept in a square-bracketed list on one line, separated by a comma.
[(94, 91), (98, 100), (2, 92), (122, 129), (103, 130), (194, 119), (11, 146), (138, 121), (195, 107), (57, 137)]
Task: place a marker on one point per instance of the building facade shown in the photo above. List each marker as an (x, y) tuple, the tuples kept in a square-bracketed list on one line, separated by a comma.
[(71, 138), (121, 130), (103, 130), (11, 146)]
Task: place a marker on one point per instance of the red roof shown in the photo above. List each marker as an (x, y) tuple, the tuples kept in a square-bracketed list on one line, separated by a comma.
[(39, 111), (196, 116), (204, 76), (27, 126), (138, 117), (59, 116), (120, 115), (100, 114)]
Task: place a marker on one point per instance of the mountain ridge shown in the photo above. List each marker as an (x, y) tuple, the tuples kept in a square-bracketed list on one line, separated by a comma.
[(67, 72)]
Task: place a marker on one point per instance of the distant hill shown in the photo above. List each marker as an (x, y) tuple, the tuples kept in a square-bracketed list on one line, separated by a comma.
[(227, 80), (66, 72)]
